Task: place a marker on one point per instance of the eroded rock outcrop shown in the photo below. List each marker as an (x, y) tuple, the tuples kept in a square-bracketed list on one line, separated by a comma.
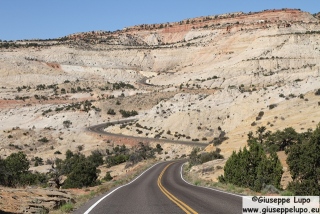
[(32, 200)]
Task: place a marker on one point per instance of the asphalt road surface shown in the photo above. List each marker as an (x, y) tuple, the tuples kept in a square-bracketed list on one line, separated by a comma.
[(99, 129), (161, 189)]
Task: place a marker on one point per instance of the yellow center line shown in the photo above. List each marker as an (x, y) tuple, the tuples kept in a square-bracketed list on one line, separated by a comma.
[(175, 200)]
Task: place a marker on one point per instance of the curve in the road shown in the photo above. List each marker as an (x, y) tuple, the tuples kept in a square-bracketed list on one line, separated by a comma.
[(175, 200), (99, 129), (95, 204), (144, 195)]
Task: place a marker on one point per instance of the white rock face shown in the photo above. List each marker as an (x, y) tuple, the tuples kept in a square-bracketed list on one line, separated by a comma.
[(224, 71)]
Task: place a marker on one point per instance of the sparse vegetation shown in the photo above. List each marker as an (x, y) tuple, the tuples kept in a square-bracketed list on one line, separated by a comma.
[(43, 140), (107, 177), (67, 207), (111, 111), (196, 106), (120, 85), (218, 140), (125, 113), (67, 124), (122, 154), (272, 106), (196, 157)]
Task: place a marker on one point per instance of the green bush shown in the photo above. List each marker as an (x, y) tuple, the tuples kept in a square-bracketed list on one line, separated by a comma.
[(128, 113), (304, 164), (96, 158), (108, 177), (83, 174), (67, 123), (272, 106), (43, 140), (13, 167), (111, 112), (80, 171), (195, 158), (158, 148), (252, 168), (222, 137), (14, 172), (67, 208)]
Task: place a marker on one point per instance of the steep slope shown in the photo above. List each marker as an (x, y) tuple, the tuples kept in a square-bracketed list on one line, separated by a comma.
[(203, 79), (222, 70)]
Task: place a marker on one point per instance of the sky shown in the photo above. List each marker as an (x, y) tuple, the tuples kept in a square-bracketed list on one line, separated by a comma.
[(44, 19)]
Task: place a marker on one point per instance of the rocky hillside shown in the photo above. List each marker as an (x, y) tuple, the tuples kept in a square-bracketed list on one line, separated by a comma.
[(201, 79), (224, 69)]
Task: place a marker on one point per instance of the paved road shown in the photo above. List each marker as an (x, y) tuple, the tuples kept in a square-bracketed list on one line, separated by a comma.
[(99, 129), (161, 189)]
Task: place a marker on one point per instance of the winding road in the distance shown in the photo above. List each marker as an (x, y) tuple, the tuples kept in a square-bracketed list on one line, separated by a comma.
[(99, 129), (161, 189)]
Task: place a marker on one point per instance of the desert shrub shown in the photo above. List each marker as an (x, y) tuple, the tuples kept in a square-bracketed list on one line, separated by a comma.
[(252, 168), (36, 178), (43, 140), (272, 106), (67, 123), (218, 140), (158, 148), (80, 171), (14, 172), (38, 161), (128, 113), (83, 174), (111, 111), (281, 140), (80, 148), (292, 95), (107, 177), (13, 167), (96, 158), (67, 207), (119, 85), (261, 113), (195, 158), (304, 163), (119, 155)]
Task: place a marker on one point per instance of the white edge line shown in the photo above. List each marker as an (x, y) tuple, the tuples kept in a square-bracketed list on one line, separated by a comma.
[(206, 187), (242, 196), (95, 204)]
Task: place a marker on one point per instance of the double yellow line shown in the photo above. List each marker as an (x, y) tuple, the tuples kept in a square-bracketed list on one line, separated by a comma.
[(180, 204)]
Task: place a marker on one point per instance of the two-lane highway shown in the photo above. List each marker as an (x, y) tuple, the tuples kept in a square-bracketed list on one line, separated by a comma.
[(161, 189), (99, 129)]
